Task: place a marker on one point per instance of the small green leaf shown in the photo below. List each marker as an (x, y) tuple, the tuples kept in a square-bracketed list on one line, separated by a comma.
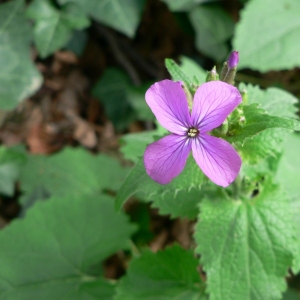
[(63, 243), (194, 70), (260, 46), (112, 92), (213, 28), (257, 120), (53, 28), (124, 17), (138, 181), (71, 172), (168, 274), (11, 160), (246, 245), (177, 74), (19, 78), (179, 5)]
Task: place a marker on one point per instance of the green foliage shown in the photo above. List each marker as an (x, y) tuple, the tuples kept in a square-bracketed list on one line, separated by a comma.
[(179, 5), (177, 73), (269, 142), (194, 70), (274, 101), (247, 235), (113, 13), (289, 166), (57, 251), (189, 72), (175, 202), (18, 76), (136, 143), (288, 176), (11, 160), (269, 41), (246, 245), (53, 28), (71, 172), (136, 98), (175, 278), (212, 42), (138, 181), (290, 294), (257, 120), (122, 102)]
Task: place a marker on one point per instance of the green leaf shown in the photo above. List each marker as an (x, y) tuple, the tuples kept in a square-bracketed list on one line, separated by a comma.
[(177, 73), (78, 42), (168, 274), (136, 98), (246, 245), (194, 70), (53, 28), (136, 143), (274, 101), (138, 181), (182, 204), (56, 251), (27, 200), (263, 48), (257, 121), (71, 172), (112, 92), (11, 160), (291, 294), (179, 5), (266, 143), (213, 28), (288, 169), (269, 142), (176, 203), (19, 78), (114, 13), (289, 178)]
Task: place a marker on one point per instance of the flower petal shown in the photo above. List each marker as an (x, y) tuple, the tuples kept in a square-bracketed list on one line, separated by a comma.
[(217, 159), (213, 102), (168, 102), (166, 158)]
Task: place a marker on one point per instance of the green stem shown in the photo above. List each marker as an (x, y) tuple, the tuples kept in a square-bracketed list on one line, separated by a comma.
[(236, 187)]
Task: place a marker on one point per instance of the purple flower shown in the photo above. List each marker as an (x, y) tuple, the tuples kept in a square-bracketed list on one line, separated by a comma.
[(213, 102), (233, 59)]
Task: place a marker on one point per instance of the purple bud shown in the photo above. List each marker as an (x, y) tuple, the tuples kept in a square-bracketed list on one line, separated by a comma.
[(233, 59)]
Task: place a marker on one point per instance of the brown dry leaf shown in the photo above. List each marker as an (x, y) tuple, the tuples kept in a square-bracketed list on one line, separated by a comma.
[(84, 133)]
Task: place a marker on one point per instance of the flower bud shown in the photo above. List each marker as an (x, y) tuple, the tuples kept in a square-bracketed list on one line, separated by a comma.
[(244, 94), (233, 59), (229, 68), (212, 75)]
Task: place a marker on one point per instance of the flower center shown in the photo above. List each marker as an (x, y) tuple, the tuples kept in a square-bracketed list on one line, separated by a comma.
[(192, 132)]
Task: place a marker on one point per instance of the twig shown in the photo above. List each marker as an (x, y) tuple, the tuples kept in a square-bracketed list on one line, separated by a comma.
[(119, 55)]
